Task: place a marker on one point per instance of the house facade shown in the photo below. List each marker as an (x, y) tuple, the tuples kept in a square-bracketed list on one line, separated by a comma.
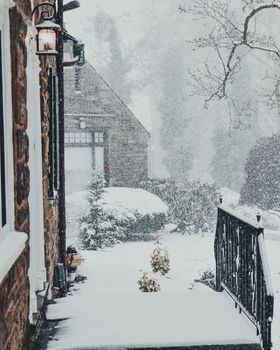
[(29, 221), (102, 135)]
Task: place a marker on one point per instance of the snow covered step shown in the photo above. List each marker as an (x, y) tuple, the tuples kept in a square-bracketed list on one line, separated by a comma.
[(191, 320)]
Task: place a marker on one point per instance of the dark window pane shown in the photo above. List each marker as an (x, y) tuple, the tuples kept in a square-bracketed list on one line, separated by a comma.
[(2, 148), (51, 136), (56, 132)]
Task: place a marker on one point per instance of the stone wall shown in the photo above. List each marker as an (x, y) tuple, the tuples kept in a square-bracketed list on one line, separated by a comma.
[(14, 305), (14, 289), (50, 205), (126, 158)]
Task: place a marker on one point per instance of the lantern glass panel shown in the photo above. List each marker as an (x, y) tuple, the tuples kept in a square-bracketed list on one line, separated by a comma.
[(46, 40)]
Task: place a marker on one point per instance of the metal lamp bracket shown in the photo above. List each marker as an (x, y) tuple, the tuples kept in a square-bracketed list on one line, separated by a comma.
[(45, 14)]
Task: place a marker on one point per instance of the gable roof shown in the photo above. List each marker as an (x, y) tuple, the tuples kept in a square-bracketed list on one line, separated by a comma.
[(95, 95)]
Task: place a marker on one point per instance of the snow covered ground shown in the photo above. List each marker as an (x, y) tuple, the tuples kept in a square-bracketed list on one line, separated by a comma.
[(110, 298), (182, 313)]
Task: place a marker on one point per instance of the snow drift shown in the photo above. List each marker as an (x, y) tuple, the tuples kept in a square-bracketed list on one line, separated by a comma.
[(122, 202)]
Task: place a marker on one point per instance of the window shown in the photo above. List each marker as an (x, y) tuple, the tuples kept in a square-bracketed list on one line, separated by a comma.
[(98, 137), (78, 138), (53, 174), (3, 199)]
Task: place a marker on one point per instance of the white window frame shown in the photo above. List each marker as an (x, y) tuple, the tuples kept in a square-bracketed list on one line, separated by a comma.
[(11, 243), (2, 176), (7, 115), (78, 138), (99, 137), (37, 269)]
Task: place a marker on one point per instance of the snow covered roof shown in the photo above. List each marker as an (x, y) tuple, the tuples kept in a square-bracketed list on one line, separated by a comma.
[(94, 96), (89, 115)]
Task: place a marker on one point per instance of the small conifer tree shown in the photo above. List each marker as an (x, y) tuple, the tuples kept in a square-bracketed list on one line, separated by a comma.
[(97, 230), (160, 261), (148, 284)]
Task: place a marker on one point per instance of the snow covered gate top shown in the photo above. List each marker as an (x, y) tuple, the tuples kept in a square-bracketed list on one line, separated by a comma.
[(242, 269)]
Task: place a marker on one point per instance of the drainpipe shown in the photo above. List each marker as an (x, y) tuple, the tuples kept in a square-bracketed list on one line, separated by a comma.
[(61, 191)]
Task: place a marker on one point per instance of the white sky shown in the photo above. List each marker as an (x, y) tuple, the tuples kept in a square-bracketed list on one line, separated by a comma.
[(124, 11)]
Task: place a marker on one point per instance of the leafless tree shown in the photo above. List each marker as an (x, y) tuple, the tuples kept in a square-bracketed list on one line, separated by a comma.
[(232, 37)]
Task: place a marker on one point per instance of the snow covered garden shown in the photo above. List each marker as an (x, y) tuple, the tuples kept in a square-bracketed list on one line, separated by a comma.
[(110, 311), (149, 251), (109, 308)]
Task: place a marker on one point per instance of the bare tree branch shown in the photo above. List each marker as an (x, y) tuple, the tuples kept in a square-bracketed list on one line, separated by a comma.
[(233, 39)]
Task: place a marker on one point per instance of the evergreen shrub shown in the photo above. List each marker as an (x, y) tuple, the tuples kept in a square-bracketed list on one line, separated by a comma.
[(160, 261), (192, 205), (262, 179), (148, 284)]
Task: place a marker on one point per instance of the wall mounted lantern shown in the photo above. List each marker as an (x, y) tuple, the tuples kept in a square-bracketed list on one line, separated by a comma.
[(47, 30), (46, 38)]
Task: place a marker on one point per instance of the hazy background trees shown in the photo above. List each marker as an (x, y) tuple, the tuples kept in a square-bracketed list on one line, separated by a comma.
[(174, 114), (114, 65), (262, 181)]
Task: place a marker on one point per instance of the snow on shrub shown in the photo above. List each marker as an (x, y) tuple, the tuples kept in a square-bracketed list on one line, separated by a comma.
[(148, 284), (137, 212), (192, 205), (123, 202), (120, 214), (207, 278), (160, 261)]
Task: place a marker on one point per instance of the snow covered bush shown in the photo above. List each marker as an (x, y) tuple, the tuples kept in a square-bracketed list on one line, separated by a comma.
[(148, 284), (192, 205), (138, 213), (197, 208), (160, 261), (118, 214), (261, 187), (142, 227), (166, 189), (208, 279), (97, 229)]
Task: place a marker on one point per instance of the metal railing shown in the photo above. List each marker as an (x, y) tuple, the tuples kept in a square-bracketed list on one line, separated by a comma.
[(242, 269)]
